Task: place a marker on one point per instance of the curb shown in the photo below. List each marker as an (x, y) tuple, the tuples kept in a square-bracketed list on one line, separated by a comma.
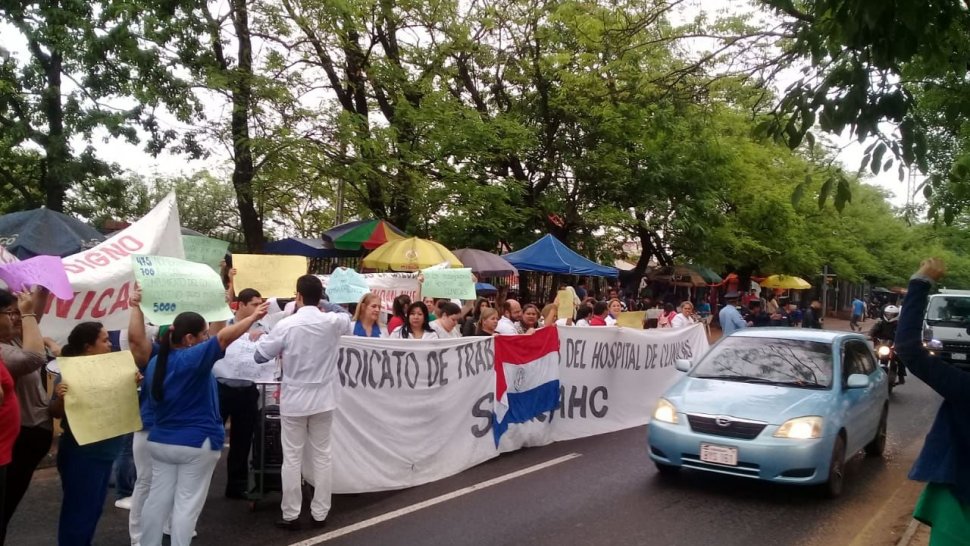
[(910, 533)]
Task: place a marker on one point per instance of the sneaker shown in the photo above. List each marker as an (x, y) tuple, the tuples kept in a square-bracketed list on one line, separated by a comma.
[(318, 524), (124, 504), (289, 525)]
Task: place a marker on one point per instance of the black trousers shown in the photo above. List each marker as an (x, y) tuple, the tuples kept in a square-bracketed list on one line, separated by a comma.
[(29, 450), (241, 406)]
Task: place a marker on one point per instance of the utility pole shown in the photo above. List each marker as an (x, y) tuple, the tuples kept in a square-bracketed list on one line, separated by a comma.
[(825, 289)]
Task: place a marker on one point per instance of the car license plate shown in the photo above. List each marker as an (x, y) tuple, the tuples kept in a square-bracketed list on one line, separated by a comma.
[(958, 356), (719, 454)]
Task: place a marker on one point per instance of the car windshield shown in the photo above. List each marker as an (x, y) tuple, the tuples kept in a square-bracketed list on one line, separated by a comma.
[(948, 310), (804, 364)]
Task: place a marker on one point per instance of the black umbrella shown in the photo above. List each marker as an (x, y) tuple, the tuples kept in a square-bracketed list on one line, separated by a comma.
[(881, 290), (485, 264), (45, 232)]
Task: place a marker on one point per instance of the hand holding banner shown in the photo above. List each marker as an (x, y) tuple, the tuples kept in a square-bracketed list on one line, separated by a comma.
[(171, 286), (46, 271), (631, 319), (204, 250), (346, 286), (449, 283), (273, 276), (102, 397)]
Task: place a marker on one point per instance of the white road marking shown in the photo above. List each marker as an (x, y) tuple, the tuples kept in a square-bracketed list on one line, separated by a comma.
[(431, 502)]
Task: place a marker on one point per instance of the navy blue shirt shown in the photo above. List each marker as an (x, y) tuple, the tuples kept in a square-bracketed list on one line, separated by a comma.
[(946, 450), (188, 414)]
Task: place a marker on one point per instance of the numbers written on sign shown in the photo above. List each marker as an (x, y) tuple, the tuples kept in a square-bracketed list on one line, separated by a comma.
[(143, 261), (147, 271), (163, 307)]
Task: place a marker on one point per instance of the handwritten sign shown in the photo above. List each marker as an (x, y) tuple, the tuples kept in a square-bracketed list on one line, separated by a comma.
[(273, 276), (204, 250), (346, 286), (46, 271), (102, 397), (171, 286), (449, 283), (565, 304), (631, 319)]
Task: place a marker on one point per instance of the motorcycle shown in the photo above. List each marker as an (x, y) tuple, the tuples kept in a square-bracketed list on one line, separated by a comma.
[(886, 353)]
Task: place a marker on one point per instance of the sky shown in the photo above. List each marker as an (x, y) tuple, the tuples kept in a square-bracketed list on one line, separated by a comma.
[(133, 157)]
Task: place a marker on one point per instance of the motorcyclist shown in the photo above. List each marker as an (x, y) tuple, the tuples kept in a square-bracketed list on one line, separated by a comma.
[(885, 329)]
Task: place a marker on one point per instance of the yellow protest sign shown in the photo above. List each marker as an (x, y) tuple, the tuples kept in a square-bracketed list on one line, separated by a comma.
[(565, 304), (631, 319), (102, 397), (272, 276)]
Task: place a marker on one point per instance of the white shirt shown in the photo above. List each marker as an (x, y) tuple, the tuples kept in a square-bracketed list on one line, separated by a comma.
[(610, 321), (582, 322), (308, 342), (506, 326), (455, 332), (681, 321), (428, 334)]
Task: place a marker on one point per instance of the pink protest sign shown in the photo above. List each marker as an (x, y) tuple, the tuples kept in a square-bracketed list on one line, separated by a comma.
[(46, 271)]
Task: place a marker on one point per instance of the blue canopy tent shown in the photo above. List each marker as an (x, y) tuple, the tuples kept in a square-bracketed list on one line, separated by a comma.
[(311, 248), (549, 255)]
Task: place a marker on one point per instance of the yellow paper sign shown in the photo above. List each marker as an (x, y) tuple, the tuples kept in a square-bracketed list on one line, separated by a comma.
[(272, 276), (102, 397), (631, 319), (565, 304)]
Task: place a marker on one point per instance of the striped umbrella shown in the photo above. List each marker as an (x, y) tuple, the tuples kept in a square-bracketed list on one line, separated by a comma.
[(358, 234)]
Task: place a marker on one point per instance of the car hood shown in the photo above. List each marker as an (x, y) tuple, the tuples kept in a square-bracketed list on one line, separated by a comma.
[(768, 403)]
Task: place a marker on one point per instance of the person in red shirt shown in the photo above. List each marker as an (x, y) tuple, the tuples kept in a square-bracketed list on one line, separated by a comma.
[(9, 429), (400, 307), (600, 311)]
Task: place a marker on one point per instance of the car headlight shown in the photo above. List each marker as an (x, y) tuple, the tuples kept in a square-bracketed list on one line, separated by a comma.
[(665, 412), (883, 350), (802, 428), (934, 345)]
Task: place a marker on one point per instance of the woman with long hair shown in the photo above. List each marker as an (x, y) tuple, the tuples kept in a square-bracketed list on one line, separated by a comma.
[(187, 437), (85, 470), (487, 322), (471, 320), (365, 316), (418, 325), (399, 311), (615, 307)]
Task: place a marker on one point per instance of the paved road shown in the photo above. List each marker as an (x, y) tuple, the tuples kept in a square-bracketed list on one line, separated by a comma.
[(608, 494)]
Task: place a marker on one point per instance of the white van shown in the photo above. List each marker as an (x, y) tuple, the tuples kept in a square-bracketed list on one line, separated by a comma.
[(947, 321)]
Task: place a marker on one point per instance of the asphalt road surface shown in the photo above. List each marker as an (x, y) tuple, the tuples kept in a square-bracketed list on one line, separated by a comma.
[(598, 490)]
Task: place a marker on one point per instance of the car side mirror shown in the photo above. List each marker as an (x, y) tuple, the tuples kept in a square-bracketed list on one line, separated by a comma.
[(682, 365), (858, 381)]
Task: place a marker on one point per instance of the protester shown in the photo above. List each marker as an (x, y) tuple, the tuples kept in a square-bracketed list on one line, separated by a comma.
[(85, 470), (309, 339), (771, 304), (685, 317), (600, 311), (418, 325), (446, 325), (511, 315), (366, 316), (945, 503), (431, 305), (666, 318), (583, 313), (615, 307), (813, 316), (9, 429), (471, 321), (399, 311), (756, 315), (487, 323), (530, 319), (22, 351), (729, 317), (236, 375), (187, 437)]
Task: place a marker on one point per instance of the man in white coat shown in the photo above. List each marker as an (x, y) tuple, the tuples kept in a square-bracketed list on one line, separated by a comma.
[(307, 341)]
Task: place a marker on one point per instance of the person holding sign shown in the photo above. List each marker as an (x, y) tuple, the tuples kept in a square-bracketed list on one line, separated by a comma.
[(187, 437), (685, 317), (309, 338), (418, 325), (84, 469), (365, 316)]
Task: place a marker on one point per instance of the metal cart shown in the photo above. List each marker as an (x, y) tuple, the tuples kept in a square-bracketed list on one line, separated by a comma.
[(266, 457)]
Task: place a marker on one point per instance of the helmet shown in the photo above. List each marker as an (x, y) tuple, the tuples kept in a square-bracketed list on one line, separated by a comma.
[(890, 313)]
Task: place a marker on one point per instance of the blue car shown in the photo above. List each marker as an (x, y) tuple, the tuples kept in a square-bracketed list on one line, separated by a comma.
[(785, 405)]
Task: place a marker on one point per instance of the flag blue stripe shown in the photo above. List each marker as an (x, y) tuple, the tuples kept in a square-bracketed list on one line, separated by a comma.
[(524, 406)]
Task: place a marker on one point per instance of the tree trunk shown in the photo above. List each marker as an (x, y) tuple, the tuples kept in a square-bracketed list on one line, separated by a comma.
[(244, 171), (56, 172)]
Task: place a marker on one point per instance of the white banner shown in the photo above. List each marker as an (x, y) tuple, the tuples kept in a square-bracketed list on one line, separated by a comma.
[(412, 412), (388, 286), (102, 277)]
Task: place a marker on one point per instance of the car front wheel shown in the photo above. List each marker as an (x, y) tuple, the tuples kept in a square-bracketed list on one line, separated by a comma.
[(833, 487), (877, 446), (667, 470)]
